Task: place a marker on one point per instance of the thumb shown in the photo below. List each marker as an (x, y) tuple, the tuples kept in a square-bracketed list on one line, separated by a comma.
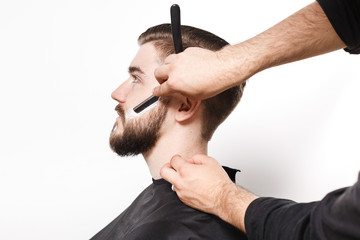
[(162, 73), (162, 90)]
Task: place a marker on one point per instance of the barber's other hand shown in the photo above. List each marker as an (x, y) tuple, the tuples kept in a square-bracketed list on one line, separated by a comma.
[(196, 73), (200, 182)]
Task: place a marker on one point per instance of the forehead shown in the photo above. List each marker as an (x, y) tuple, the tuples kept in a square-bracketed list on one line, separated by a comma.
[(146, 58)]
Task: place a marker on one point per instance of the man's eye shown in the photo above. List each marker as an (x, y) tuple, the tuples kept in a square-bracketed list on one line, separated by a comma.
[(135, 79)]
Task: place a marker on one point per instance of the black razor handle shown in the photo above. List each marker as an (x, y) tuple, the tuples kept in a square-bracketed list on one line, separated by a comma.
[(176, 34), (176, 27)]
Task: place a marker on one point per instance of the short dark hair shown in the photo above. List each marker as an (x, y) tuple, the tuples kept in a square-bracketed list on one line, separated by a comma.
[(217, 108)]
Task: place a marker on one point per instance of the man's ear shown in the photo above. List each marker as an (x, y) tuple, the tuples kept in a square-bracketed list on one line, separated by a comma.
[(187, 108)]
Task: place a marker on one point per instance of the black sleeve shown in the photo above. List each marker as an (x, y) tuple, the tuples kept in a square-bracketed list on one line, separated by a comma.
[(344, 16), (337, 216)]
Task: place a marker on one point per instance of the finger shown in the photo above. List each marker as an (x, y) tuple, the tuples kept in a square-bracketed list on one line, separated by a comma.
[(162, 73), (168, 173), (169, 59), (176, 162), (198, 159), (163, 90)]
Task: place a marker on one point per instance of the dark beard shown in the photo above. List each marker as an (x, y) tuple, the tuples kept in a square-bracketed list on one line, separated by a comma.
[(139, 134)]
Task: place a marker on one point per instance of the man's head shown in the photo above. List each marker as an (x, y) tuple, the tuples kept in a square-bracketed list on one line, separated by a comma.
[(139, 135)]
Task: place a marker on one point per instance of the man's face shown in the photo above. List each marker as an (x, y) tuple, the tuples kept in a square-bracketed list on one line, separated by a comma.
[(139, 134)]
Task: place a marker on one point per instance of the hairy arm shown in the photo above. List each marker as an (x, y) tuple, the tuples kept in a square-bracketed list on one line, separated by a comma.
[(304, 34), (233, 205), (200, 73)]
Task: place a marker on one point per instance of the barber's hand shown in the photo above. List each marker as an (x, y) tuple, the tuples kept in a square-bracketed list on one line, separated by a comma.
[(196, 73), (199, 182)]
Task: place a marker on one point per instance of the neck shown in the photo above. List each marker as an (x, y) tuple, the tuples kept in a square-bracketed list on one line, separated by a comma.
[(185, 144)]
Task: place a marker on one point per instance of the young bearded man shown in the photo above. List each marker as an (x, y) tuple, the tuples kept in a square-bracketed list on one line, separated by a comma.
[(176, 125)]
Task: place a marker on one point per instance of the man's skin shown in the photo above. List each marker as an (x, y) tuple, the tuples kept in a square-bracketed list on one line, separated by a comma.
[(197, 73), (183, 117), (174, 126)]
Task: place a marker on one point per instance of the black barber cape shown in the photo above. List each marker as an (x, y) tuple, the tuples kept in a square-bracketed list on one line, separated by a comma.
[(158, 214)]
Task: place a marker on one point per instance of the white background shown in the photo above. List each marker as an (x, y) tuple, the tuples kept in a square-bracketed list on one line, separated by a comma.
[(295, 134)]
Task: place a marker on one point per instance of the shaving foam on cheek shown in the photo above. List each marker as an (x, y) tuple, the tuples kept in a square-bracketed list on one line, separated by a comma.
[(130, 114)]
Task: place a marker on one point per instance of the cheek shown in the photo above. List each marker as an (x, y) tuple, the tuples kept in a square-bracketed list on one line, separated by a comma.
[(135, 97), (138, 94)]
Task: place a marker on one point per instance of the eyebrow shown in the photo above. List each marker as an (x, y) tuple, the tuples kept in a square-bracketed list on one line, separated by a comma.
[(133, 69)]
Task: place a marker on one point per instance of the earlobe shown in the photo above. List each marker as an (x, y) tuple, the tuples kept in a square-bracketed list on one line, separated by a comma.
[(187, 109)]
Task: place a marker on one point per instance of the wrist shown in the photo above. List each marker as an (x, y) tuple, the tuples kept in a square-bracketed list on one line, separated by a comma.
[(233, 203)]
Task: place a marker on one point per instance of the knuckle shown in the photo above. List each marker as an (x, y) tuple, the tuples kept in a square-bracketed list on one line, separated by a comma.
[(179, 186), (172, 67), (182, 170), (170, 83), (173, 160), (181, 196)]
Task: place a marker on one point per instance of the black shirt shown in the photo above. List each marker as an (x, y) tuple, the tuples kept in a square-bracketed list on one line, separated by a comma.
[(158, 214), (337, 216), (344, 16)]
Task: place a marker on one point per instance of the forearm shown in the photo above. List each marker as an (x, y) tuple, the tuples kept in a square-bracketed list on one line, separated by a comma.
[(232, 205), (304, 34)]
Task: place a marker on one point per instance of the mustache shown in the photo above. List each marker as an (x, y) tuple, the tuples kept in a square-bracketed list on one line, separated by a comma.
[(120, 110)]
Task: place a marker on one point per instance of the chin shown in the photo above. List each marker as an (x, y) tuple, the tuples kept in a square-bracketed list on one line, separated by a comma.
[(117, 129)]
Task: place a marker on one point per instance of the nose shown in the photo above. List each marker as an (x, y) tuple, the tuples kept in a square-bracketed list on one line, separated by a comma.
[(120, 93)]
